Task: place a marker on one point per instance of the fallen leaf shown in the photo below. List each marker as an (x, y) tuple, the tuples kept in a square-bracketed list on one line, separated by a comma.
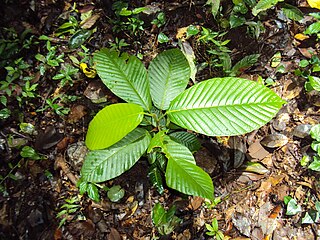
[(195, 203), (189, 54), (77, 112), (114, 234), (257, 151), (89, 22), (255, 167), (314, 3), (48, 138), (301, 36), (274, 140)]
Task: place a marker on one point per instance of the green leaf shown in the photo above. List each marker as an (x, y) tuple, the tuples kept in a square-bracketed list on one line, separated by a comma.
[(112, 123), (292, 207), (93, 192), (224, 107), (315, 145), (158, 141), (292, 12), (79, 38), (83, 186), (158, 215), (307, 219), (169, 75), (264, 5), (315, 132), (314, 82), (236, 20), (314, 28), (103, 165), (183, 174), (29, 152), (162, 38), (315, 165), (215, 4), (124, 76), (115, 193), (244, 63), (187, 139), (156, 179)]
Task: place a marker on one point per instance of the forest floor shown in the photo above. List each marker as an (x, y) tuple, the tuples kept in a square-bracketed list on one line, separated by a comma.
[(50, 113)]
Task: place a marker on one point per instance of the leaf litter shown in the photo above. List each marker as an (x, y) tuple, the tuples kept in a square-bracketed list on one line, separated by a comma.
[(252, 174)]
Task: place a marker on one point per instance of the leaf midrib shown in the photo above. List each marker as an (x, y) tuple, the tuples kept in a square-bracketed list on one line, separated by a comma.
[(122, 72), (223, 106)]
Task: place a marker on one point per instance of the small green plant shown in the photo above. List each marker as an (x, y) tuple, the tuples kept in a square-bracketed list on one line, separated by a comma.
[(11, 44), (307, 70), (127, 20), (292, 206), (164, 220), (57, 104), (220, 57), (69, 210), (17, 84), (65, 75), (118, 44), (51, 59), (10, 175), (310, 215), (213, 230), (160, 20), (314, 28), (315, 145), (158, 102)]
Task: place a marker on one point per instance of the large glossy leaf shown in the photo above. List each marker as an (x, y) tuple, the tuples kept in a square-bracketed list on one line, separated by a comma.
[(113, 123), (102, 165), (187, 139), (184, 175), (224, 107), (125, 76), (169, 74)]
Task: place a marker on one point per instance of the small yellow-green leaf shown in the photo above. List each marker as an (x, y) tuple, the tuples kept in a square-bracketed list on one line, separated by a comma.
[(112, 123)]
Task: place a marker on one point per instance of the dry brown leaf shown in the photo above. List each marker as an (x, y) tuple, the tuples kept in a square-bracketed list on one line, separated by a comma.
[(257, 151), (89, 22), (114, 234), (195, 202), (77, 112), (181, 33), (274, 140)]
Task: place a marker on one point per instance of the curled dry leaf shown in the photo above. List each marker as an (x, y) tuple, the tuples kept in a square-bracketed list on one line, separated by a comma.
[(89, 22), (274, 140), (302, 130)]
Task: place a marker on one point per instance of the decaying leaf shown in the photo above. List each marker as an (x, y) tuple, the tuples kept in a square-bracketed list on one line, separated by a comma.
[(255, 167), (274, 140), (77, 112), (189, 54), (257, 151), (90, 21)]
